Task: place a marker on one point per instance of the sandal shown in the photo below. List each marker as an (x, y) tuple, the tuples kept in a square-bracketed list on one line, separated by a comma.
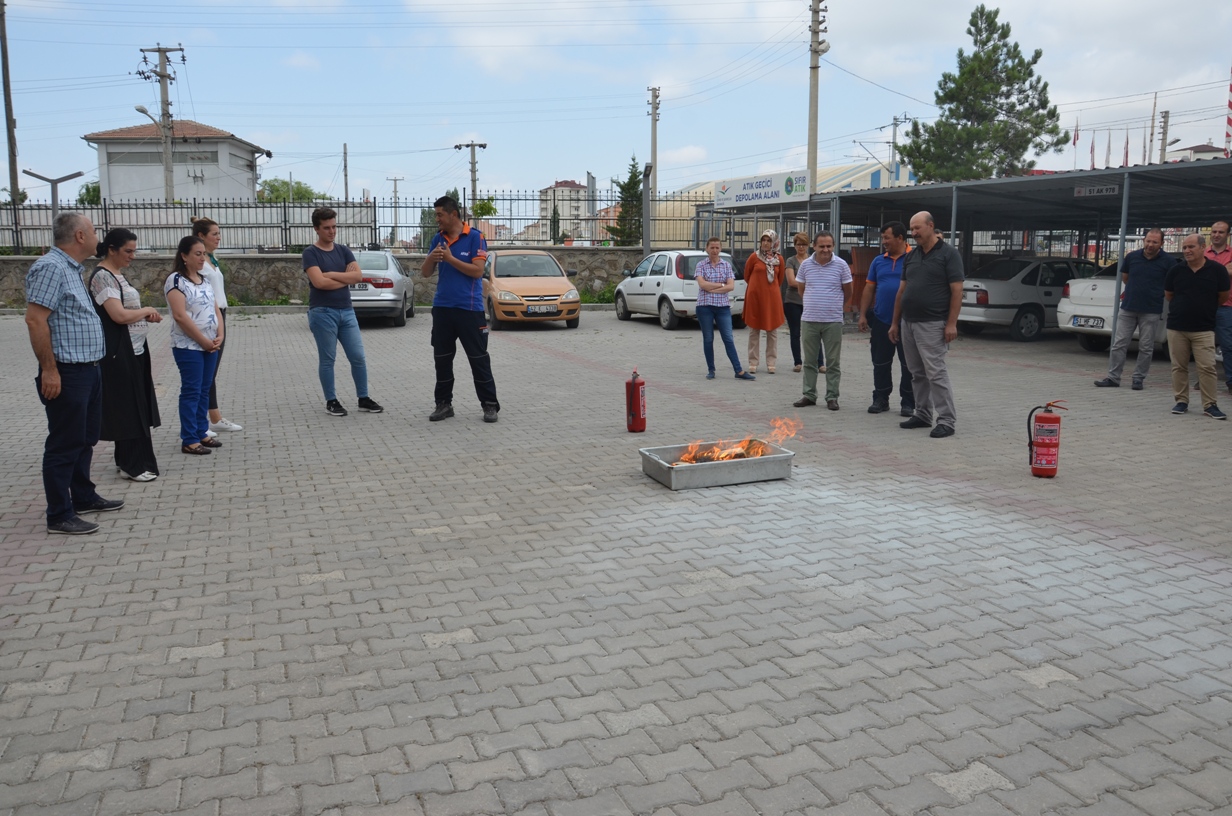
[(195, 450), (211, 442)]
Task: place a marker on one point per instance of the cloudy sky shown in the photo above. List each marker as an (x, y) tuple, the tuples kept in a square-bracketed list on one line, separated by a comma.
[(557, 88)]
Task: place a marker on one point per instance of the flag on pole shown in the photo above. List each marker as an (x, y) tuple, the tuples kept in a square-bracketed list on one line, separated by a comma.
[(1092, 150), (1125, 160), (1108, 152), (1076, 127)]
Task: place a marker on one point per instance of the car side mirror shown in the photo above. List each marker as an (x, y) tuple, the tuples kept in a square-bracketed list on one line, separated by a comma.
[(627, 273), (572, 273)]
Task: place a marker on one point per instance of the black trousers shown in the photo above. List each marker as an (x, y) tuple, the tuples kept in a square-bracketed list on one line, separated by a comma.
[(883, 352), (449, 327), (217, 365), (792, 312), (74, 420)]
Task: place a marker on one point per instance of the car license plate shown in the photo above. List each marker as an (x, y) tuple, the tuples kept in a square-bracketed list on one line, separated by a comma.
[(544, 309), (1088, 323), (359, 287)]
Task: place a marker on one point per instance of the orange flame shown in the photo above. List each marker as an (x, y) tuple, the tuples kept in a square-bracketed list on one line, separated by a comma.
[(746, 448)]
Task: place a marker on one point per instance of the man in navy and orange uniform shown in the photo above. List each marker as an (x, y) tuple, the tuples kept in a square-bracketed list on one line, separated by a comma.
[(458, 254), (877, 313)]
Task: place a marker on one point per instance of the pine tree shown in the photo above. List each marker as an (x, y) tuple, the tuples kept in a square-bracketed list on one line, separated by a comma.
[(994, 111), (628, 229)]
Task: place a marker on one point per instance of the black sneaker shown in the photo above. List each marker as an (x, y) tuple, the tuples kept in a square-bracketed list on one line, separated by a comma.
[(1107, 382), (941, 432), (1137, 386), (1180, 408), (73, 526), (444, 410), (914, 422), (489, 412), (879, 406), (370, 405), (99, 506), (907, 412), (334, 408)]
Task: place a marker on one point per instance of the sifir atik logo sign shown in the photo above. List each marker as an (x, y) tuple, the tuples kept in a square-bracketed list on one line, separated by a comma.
[(772, 188)]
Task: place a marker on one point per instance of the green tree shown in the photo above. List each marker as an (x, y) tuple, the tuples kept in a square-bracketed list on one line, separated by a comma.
[(21, 195), (484, 207), (276, 189), (90, 193), (994, 111), (628, 229), (554, 225)]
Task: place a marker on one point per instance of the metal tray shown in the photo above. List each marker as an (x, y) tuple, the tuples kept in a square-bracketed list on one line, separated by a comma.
[(656, 463)]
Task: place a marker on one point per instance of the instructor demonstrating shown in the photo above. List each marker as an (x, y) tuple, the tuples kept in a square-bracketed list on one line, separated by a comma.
[(458, 254)]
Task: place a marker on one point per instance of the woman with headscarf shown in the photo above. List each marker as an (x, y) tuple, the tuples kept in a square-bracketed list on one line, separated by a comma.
[(130, 407), (763, 302)]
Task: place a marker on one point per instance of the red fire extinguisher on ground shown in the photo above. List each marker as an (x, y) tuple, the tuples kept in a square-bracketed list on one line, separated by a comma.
[(1044, 439), (635, 403)]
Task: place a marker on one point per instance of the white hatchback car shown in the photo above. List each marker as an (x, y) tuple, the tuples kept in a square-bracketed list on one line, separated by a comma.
[(1086, 310), (663, 285), (1021, 293), (384, 291)]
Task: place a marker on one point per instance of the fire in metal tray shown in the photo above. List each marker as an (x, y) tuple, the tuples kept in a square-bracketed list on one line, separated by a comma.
[(746, 448)]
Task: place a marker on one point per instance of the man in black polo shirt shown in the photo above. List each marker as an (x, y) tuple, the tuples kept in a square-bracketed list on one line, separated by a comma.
[(1194, 289), (926, 316)]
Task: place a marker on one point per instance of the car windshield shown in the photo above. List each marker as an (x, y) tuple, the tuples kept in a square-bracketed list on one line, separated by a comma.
[(373, 261), (691, 262), (526, 266), (1108, 271), (1000, 270)]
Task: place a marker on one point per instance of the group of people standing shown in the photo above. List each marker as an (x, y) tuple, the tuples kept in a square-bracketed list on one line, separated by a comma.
[(95, 377), (910, 305), (1196, 291)]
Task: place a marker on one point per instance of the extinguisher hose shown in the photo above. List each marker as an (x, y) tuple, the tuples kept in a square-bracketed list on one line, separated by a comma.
[(1030, 434)]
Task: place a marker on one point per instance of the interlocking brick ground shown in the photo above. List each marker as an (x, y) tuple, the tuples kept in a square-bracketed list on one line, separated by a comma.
[(379, 615)]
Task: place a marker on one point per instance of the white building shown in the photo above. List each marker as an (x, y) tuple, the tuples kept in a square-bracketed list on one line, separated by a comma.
[(208, 163), (573, 202), (1196, 152)]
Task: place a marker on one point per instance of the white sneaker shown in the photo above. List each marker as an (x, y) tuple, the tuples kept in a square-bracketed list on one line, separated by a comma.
[(225, 424), (210, 434), (147, 476)]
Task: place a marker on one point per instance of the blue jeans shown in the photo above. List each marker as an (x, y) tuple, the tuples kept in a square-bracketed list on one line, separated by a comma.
[(196, 374), (708, 316), (74, 419), (331, 327), (1223, 338)]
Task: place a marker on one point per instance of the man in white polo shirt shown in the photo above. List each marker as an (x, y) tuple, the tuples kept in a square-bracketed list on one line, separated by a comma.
[(824, 282)]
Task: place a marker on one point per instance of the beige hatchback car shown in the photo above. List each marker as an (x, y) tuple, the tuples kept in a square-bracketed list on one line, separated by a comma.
[(528, 285)]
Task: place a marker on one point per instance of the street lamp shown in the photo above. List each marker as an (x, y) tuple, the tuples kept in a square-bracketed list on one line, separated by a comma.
[(168, 174), (55, 189)]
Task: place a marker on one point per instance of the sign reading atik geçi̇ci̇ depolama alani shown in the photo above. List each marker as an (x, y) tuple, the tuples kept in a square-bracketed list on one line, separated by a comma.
[(771, 188)]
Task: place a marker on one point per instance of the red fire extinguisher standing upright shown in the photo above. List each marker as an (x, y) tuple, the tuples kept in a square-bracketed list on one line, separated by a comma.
[(1044, 439), (635, 403)]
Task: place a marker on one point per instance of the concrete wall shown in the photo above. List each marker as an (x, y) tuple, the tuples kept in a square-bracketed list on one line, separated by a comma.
[(257, 279)]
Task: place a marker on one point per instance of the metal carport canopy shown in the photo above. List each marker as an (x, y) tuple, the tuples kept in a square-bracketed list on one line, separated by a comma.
[(1181, 194)]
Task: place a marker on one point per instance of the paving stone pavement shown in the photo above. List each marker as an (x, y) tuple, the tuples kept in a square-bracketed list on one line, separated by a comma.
[(378, 615)]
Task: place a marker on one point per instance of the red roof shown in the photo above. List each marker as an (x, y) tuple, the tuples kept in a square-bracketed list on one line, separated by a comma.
[(180, 129), (572, 185)]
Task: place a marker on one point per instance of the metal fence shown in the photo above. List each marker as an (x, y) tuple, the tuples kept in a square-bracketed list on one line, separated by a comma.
[(563, 215)]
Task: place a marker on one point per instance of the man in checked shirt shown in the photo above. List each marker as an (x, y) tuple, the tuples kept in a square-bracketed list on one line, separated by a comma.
[(715, 278)]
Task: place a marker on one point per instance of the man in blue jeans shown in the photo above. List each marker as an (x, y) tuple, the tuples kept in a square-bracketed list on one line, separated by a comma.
[(67, 338), (331, 269), (715, 278)]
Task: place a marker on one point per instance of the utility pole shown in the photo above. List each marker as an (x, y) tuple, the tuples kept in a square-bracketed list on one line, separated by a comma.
[(165, 77), (1154, 106), (654, 142), (817, 47), (898, 120), (346, 184), (1163, 138), (395, 180), (10, 121), (474, 170)]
